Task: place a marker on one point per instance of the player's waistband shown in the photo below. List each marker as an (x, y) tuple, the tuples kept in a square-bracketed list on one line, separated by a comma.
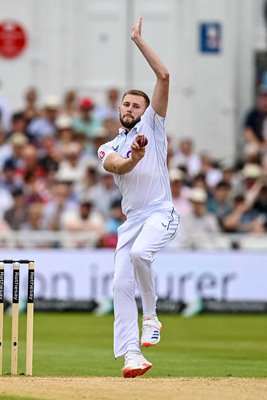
[(142, 212)]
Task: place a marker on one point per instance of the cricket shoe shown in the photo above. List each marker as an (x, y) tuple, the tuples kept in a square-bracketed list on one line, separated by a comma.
[(150, 331), (135, 365)]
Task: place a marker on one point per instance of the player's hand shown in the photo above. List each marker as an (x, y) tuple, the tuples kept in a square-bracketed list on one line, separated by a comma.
[(137, 151), (141, 140), (137, 30)]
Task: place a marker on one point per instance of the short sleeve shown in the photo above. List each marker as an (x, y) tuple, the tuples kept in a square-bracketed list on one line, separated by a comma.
[(152, 119), (104, 151)]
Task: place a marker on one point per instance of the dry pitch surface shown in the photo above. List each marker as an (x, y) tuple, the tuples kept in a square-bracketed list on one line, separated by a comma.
[(134, 389)]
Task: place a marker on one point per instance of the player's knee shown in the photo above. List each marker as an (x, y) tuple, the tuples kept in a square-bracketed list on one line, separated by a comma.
[(122, 285), (139, 255)]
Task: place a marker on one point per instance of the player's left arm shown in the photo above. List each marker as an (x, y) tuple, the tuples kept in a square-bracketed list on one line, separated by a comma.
[(160, 95)]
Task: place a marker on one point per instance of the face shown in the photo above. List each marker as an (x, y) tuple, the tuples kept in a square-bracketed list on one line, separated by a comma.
[(198, 208), (262, 102), (85, 209), (131, 110), (31, 95), (186, 147), (221, 194)]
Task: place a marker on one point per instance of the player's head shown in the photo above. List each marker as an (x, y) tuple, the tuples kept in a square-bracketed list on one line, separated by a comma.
[(133, 105)]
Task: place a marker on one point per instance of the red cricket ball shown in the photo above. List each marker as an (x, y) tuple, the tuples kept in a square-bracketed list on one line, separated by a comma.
[(142, 140)]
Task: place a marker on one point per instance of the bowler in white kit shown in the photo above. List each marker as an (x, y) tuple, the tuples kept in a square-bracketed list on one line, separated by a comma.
[(140, 171)]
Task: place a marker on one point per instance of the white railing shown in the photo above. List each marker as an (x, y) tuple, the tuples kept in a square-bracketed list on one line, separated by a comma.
[(65, 239), (47, 239)]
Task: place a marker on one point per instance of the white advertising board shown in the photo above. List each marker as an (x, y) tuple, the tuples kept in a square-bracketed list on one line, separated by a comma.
[(185, 276)]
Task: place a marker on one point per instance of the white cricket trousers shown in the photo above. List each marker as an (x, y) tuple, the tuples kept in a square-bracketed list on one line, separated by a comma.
[(139, 238)]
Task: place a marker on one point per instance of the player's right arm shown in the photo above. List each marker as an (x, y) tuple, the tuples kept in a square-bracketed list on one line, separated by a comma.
[(114, 163), (118, 165)]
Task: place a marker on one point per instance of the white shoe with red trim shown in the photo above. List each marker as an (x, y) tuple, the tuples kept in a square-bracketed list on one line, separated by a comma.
[(135, 365)]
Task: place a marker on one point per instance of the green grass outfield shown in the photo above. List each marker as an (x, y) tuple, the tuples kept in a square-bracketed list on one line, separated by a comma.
[(80, 344)]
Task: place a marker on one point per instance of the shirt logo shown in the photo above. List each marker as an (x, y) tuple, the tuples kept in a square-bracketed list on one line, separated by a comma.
[(101, 155), (115, 148), (128, 155)]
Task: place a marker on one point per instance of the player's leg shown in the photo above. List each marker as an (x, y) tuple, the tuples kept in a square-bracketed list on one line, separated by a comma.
[(126, 331), (157, 231)]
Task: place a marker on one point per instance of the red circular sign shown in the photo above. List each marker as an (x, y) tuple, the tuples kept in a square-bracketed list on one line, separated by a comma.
[(13, 39)]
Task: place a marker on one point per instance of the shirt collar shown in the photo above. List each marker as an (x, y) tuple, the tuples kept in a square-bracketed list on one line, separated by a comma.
[(123, 131)]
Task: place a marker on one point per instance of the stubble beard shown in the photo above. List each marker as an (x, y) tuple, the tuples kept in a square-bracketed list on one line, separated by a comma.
[(129, 124)]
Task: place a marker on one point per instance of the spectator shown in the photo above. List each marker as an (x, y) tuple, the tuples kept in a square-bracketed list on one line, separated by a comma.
[(242, 218), (104, 193), (260, 205), (70, 103), (200, 227), (46, 124), (87, 146), (5, 147), (18, 123), (186, 158), (30, 109), (18, 141), (34, 218), (71, 166), (179, 192), (49, 155), (9, 180), (4, 230), (255, 124), (219, 204), (16, 216), (6, 201), (30, 163), (199, 181), (65, 133), (89, 180), (84, 219), (232, 178), (252, 153), (34, 224), (112, 126), (36, 190), (101, 137), (250, 174), (113, 222), (115, 219), (61, 202), (85, 122), (212, 173), (111, 108)]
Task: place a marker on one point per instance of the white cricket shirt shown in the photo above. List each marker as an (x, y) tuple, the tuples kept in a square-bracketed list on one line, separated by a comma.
[(148, 183)]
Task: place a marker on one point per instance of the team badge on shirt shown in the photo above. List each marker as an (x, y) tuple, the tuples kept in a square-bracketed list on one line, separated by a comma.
[(101, 155)]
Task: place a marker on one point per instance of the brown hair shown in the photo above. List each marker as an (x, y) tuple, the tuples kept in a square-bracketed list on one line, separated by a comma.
[(136, 92)]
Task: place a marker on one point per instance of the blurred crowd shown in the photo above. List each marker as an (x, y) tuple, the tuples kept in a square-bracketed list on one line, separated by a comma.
[(51, 180)]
